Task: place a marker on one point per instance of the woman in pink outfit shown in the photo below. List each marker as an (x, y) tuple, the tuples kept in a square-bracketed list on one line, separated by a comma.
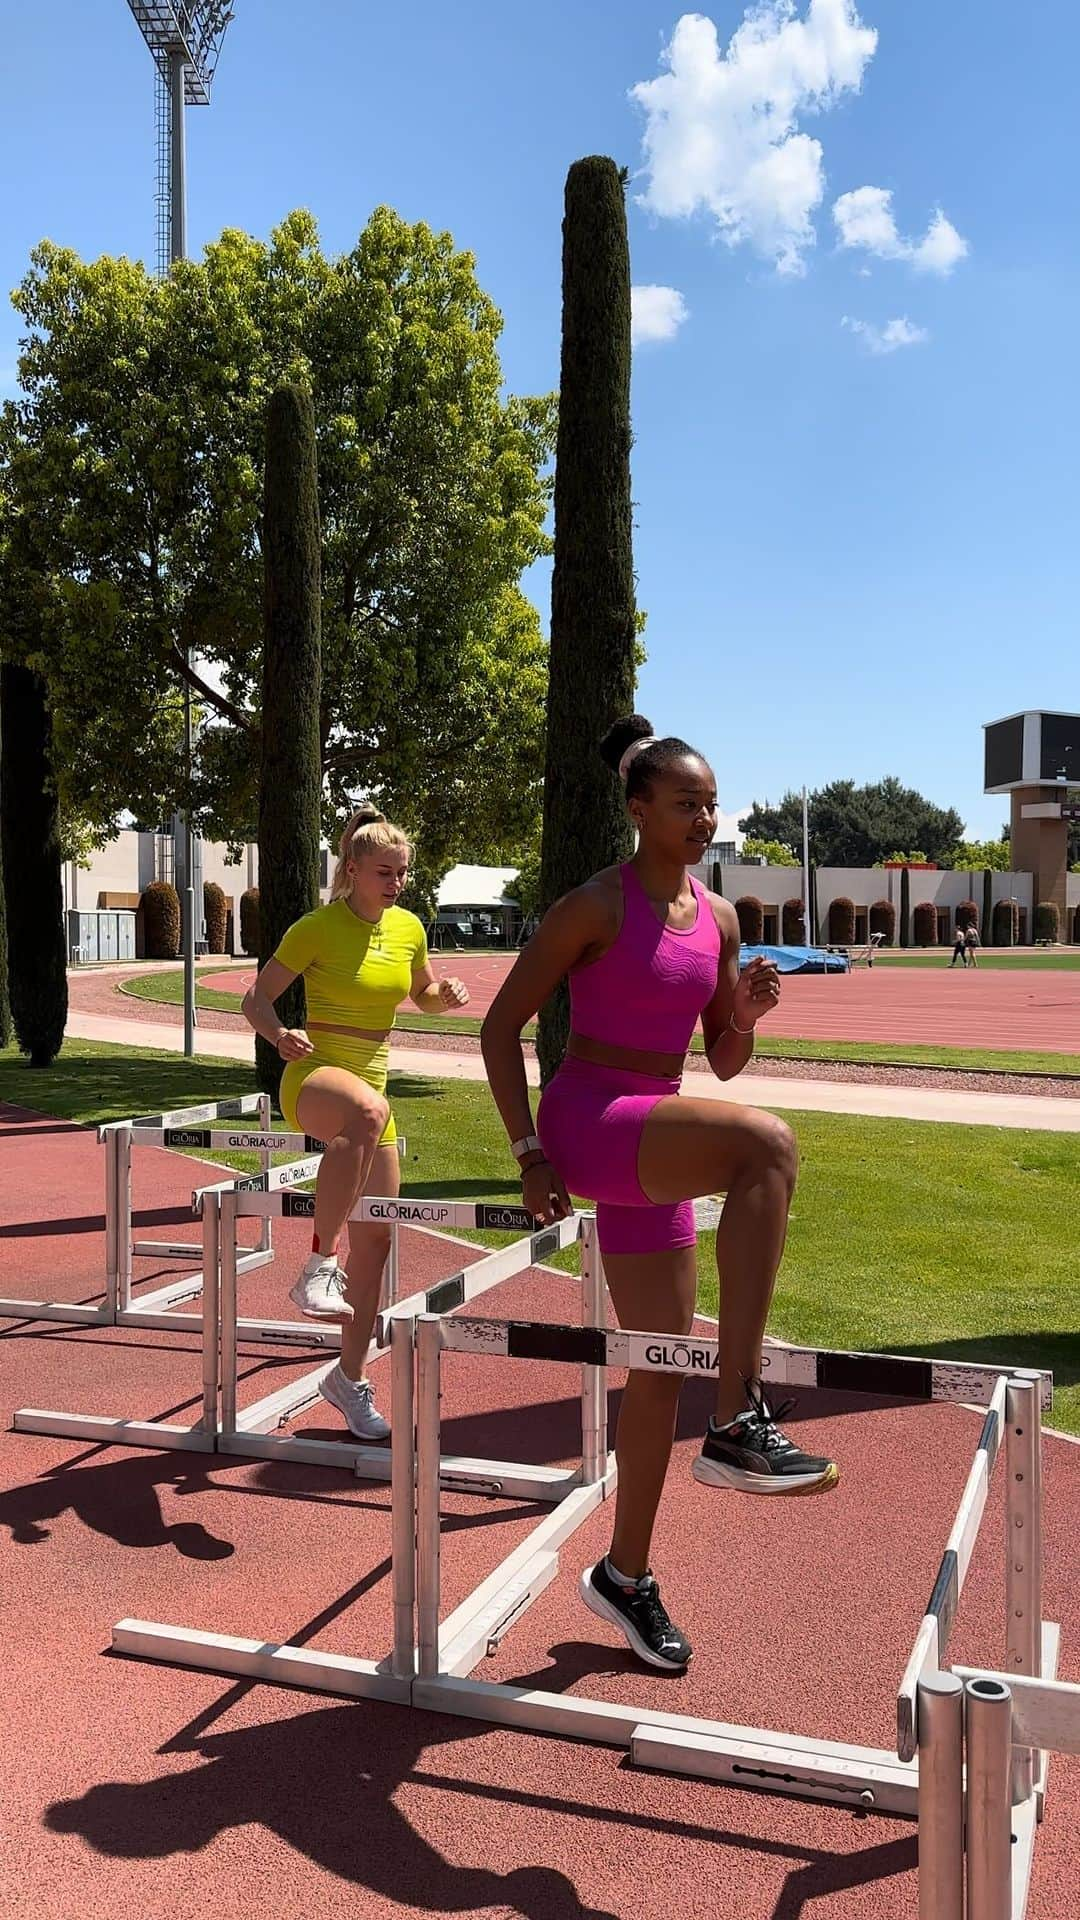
[(648, 952)]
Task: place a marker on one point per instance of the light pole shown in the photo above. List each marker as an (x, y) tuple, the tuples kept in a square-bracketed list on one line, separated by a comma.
[(184, 38), (808, 935)]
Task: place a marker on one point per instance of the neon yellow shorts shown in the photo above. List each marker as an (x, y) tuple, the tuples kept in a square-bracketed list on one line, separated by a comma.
[(368, 1060)]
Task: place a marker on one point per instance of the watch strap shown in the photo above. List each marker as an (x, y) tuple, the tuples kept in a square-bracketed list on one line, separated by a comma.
[(528, 1144)]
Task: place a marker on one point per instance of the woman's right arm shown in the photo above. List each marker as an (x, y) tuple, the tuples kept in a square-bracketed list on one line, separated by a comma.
[(257, 1007), (575, 923)]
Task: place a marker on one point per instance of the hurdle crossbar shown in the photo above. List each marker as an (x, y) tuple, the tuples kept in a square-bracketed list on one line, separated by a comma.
[(254, 1430)]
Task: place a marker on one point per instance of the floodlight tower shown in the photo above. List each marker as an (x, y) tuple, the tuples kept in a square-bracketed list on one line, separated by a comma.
[(184, 38)]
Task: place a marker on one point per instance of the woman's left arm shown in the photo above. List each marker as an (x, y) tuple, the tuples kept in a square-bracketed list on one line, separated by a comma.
[(436, 996), (740, 1001)]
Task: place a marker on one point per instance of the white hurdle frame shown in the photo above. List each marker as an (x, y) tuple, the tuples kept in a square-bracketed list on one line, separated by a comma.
[(203, 1435), (512, 1588), (117, 1302), (254, 1430), (977, 1821)]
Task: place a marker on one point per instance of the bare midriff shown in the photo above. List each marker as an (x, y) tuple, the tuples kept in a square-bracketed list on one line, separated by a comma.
[(354, 1033), (659, 1066)]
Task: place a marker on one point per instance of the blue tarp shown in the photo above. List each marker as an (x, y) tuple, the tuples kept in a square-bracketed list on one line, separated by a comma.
[(797, 959)]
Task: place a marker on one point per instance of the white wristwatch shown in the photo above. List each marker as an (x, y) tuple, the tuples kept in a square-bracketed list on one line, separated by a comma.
[(530, 1144)]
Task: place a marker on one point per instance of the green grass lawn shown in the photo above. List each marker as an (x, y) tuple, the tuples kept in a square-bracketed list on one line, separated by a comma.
[(958, 1242), (166, 989), (1052, 960)]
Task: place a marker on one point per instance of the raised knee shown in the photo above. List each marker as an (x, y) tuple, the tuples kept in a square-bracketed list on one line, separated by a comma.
[(783, 1150), (367, 1123)]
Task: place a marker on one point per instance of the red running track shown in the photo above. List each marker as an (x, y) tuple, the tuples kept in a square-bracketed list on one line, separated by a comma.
[(927, 1006), (142, 1789)]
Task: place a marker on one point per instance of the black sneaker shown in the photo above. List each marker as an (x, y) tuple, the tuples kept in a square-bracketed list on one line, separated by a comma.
[(753, 1456), (640, 1614)]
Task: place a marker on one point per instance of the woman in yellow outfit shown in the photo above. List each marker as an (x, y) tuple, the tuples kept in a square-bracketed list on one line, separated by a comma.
[(361, 956)]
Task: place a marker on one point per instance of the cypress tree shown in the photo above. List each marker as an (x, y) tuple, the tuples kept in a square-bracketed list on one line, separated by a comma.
[(30, 840), (988, 907), (5, 1002), (593, 621), (290, 784), (905, 907)]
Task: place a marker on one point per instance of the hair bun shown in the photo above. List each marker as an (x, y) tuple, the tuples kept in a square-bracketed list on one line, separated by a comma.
[(366, 816), (622, 735)]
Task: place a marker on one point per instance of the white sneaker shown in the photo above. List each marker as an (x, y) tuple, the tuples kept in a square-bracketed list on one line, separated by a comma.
[(356, 1400), (320, 1290)]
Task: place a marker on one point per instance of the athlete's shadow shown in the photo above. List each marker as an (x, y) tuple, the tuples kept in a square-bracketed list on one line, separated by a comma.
[(118, 1499), (326, 1782)]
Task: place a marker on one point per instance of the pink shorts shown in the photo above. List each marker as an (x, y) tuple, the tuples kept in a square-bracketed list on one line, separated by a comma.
[(590, 1123)]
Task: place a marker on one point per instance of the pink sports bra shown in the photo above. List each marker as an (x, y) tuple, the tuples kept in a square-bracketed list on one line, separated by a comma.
[(648, 989)]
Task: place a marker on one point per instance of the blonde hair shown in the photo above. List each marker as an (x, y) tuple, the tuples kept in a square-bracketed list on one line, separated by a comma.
[(367, 831)]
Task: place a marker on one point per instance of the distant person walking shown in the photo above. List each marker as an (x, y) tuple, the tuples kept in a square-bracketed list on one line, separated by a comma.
[(959, 951), (971, 946)]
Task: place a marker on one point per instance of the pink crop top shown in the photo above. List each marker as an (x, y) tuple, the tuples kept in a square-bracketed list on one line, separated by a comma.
[(648, 989)]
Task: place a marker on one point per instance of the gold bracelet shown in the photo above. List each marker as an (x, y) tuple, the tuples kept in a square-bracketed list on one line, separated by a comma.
[(745, 1031)]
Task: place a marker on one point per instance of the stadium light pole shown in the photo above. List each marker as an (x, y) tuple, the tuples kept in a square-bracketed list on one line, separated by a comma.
[(184, 38)]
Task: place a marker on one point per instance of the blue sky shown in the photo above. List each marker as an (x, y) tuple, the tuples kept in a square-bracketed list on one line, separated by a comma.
[(854, 468)]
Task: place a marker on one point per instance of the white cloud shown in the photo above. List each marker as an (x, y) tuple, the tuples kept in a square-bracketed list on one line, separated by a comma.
[(656, 313), (889, 338), (722, 128), (865, 219)]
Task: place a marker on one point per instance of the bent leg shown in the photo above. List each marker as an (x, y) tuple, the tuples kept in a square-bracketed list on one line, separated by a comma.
[(340, 1108), (690, 1148), (369, 1246)]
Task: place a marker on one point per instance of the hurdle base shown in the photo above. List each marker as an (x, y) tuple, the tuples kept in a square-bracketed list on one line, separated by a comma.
[(57, 1310), (238, 1658), (112, 1433), (887, 1785), (752, 1757)]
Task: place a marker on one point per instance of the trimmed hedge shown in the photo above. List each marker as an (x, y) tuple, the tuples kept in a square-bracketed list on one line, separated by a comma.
[(988, 904), (967, 915), (216, 915), (1006, 924), (883, 921), (249, 921), (841, 922), (1047, 921), (751, 912), (160, 906), (925, 919), (793, 921)]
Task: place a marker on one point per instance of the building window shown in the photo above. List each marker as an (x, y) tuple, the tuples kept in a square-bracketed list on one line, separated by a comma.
[(164, 858)]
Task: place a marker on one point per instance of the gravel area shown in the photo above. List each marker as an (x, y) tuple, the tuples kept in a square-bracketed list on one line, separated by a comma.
[(98, 992)]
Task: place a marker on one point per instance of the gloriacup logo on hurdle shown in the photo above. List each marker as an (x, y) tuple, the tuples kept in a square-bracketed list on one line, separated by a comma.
[(689, 1356), (415, 1210)]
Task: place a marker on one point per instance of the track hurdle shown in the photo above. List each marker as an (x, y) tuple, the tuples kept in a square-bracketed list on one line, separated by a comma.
[(202, 1434), (255, 1430), (505, 1597)]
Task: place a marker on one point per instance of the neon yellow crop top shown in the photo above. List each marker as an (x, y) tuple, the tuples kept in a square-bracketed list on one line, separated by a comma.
[(356, 973)]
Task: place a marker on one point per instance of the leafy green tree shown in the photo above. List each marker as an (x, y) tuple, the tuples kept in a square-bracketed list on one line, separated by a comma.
[(853, 826), (30, 851), (593, 613), (525, 886), (975, 854), (135, 450), (290, 785), (771, 851)]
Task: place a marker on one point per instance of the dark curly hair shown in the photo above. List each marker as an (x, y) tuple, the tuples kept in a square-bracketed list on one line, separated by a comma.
[(650, 761)]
